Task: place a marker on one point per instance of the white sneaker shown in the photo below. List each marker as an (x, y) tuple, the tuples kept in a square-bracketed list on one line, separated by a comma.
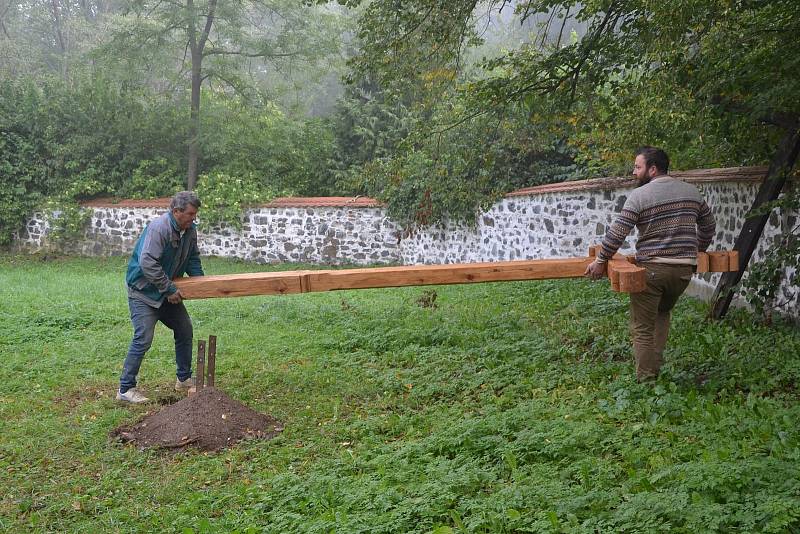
[(186, 386), (132, 395)]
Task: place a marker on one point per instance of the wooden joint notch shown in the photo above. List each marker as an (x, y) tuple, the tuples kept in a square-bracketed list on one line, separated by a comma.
[(723, 261), (719, 261), (626, 277), (305, 284), (628, 280)]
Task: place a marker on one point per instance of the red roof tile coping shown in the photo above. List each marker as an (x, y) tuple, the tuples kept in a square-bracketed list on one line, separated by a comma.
[(126, 203), (285, 202), (728, 174), (324, 202)]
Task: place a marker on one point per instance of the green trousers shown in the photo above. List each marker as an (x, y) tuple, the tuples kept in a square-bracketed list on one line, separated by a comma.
[(650, 314)]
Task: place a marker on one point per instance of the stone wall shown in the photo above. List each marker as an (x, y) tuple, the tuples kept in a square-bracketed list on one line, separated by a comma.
[(309, 234), (557, 220), (561, 220), (325, 231)]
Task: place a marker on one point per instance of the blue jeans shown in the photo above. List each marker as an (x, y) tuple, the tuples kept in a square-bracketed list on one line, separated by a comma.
[(144, 319)]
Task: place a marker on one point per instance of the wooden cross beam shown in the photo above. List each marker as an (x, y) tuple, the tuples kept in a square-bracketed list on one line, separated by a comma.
[(627, 277), (623, 274)]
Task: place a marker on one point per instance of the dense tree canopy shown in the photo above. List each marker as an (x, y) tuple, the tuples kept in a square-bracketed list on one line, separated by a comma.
[(711, 81), (447, 104), (98, 98)]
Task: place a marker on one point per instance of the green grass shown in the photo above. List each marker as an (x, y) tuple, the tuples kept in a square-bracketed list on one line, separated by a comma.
[(509, 408)]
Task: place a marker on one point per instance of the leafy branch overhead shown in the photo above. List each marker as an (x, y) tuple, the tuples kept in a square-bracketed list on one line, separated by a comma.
[(707, 80)]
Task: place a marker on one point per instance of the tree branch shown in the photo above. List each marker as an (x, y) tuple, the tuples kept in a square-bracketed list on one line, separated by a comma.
[(212, 7), (236, 86), (413, 28), (2, 24), (221, 52), (593, 39), (561, 31)]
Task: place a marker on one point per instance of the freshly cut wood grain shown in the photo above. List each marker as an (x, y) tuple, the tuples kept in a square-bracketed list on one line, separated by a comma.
[(723, 260), (623, 273), (718, 262), (420, 275), (627, 277), (613, 276), (703, 265), (733, 260), (240, 285)]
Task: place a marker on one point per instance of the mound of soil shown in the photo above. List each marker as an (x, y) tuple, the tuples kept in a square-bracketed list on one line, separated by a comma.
[(208, 420)]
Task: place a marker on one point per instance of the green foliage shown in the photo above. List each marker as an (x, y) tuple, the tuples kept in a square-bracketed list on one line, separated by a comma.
[(21, 181), (685, 75), (225, 198), (96, 133), (153, 179), (430, 163), (780, 264), (93, 138), (97, 104), (682, 75), (66, 221), (258, 140), (510, 407), (370, 124), (223, 43)]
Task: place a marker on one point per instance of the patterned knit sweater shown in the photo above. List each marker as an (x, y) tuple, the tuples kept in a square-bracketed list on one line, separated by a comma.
[(673, 221)]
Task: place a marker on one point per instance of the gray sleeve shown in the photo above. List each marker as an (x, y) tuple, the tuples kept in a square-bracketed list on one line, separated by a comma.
[(150, 259)]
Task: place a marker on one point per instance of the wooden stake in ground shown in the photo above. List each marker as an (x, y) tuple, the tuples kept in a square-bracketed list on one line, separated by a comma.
[(201, 365), (211, 368)]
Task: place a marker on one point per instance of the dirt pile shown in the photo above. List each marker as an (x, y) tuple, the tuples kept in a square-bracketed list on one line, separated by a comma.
[(208, 420)]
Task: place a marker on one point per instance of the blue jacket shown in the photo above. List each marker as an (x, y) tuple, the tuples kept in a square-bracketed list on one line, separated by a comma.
[(161, 254)]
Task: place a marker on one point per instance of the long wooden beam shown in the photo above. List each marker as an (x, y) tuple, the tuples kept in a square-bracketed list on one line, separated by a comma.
[(286, 282), (241, 285), (624, 276), (465, 273)]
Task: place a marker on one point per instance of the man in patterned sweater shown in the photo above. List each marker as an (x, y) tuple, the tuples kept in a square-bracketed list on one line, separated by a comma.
[(674, 222)]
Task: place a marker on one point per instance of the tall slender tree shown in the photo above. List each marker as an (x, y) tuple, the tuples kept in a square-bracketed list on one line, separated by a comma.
[(226, 45)]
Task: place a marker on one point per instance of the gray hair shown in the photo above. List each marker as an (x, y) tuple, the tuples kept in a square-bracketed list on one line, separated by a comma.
[(183, 199)]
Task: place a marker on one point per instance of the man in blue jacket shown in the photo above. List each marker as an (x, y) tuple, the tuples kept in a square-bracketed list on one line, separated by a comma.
[(167, 249)]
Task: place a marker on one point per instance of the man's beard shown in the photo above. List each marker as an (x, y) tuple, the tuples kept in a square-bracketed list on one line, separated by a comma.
[(642, 181)]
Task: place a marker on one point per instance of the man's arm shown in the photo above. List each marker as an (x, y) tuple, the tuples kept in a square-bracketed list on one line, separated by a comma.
[(613, 239), (194, 267), (150, 262), (617, 232), (706, 226)]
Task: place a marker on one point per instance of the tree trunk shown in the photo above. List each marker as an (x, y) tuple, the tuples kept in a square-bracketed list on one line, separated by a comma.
[(194, 123), (779, 169), (196, 47), (62, 44), (3, 13)]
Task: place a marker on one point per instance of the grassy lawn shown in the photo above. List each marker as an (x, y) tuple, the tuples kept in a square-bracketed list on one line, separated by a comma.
[(510, 407)]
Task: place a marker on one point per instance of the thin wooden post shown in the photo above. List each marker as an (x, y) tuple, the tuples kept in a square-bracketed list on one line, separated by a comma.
[(201, 364), (212, 360)]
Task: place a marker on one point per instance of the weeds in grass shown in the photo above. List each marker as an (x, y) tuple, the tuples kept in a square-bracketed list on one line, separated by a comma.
[(507, 407)]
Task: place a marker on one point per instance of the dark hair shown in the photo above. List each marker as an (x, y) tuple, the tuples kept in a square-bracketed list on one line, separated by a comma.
[(183, 199), (654, 156)]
